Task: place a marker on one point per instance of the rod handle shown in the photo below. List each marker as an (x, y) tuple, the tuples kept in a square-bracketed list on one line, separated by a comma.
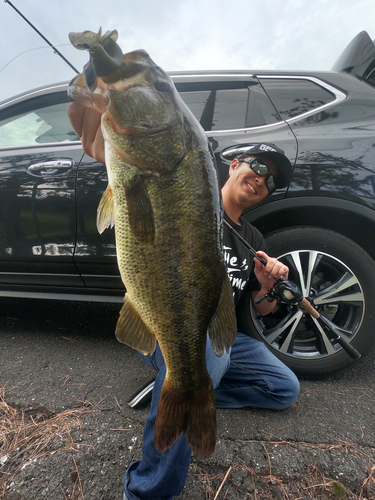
[(306, 306), (353, 353)]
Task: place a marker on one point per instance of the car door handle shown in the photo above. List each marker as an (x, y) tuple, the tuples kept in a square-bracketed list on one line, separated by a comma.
[(52, 167)]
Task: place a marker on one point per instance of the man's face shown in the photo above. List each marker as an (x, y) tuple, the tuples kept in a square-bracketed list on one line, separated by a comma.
[(247, 187)]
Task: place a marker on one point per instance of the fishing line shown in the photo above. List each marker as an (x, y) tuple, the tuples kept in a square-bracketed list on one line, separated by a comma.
[(29, 50), (42, 36)]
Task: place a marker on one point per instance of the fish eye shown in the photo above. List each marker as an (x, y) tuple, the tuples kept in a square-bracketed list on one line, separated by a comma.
[(162, 86)]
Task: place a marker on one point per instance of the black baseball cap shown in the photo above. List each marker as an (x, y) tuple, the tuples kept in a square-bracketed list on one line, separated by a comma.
[(284, 168)]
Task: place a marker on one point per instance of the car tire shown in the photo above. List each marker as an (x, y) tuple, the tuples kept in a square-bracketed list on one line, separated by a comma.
[(339, 278)]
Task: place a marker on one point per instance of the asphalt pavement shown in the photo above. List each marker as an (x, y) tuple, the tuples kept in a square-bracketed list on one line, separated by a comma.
[(66, 431)]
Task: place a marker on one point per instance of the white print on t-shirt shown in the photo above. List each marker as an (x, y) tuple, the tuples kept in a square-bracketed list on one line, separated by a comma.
[(233, 266)]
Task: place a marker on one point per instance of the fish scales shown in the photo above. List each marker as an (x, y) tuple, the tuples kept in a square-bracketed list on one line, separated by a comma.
[(164, 200), (184, 266)]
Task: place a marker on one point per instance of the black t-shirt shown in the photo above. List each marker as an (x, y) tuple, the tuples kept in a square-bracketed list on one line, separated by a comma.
[(239, 261)]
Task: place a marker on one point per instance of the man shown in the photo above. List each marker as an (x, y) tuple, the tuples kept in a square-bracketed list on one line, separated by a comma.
[(250, 375)]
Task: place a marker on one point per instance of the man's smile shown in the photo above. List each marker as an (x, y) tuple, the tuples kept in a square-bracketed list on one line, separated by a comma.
[(251, 188)]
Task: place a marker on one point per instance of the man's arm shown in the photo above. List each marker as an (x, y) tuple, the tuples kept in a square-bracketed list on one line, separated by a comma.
[(86, 122), (266, 275)]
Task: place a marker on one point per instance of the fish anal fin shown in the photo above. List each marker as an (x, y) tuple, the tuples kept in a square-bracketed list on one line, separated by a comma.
[(192, 413), (141, 214), (106, 213), (131, 330), (223, 326)]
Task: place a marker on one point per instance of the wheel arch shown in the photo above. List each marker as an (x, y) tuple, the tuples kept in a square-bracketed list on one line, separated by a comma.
[(351, 219)]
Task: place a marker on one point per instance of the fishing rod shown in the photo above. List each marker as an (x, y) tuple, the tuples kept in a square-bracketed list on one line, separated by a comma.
[(56, 51), (287, 292)]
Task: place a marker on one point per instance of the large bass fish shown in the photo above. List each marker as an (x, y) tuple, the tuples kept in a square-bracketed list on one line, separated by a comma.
[(164, 200)]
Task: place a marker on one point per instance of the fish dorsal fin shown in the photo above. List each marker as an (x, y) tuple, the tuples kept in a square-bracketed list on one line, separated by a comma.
[(106, 213), (141, 214), (223, 326), (131, 330)]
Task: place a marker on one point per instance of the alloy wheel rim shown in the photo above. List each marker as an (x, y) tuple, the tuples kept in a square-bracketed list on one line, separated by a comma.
[(334, 290)]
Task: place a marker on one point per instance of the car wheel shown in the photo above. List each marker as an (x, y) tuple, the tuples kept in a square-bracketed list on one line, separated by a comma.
[(338, 276)]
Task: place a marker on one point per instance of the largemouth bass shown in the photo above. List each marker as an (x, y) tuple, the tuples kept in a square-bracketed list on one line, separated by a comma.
[(163, 199)]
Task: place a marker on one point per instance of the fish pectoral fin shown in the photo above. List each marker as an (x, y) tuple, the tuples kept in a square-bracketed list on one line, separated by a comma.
[(192, 413), (106, 212), (223, 326), (141, 214), (131, 330)]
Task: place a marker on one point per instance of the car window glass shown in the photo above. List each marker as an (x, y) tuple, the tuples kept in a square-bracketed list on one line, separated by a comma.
[(260, 111), (293, 97), (198, 102), (230, 108), (38, 126)]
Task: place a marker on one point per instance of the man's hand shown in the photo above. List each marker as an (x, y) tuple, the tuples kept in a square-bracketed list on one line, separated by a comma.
[(274, 269), (266, 275), (86, 122)]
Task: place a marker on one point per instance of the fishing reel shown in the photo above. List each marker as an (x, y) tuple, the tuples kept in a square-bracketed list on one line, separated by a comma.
[(284, 292), (287, 292)]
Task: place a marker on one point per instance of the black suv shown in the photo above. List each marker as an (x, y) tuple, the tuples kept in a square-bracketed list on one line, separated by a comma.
[(322, 225)]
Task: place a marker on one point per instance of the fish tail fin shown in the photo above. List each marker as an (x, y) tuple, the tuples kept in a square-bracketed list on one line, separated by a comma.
[(193, 414), (201, 426)]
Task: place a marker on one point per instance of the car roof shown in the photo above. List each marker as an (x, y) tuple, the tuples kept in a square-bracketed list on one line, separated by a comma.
[(177, 76)]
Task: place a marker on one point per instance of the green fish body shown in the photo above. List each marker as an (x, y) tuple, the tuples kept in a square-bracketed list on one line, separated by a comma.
[(163, 198)]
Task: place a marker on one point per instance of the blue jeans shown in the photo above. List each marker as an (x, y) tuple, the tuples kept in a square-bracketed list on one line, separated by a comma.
[(249, 376)]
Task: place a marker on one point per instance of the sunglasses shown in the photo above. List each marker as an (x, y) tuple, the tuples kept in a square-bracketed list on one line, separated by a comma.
[(262, 170)]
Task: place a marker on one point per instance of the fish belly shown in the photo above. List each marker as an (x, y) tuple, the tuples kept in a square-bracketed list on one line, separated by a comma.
[(175, 284)]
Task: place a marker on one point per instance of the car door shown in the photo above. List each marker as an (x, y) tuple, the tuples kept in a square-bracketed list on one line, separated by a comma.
[(335, 133), (95, 254), (39, 154)]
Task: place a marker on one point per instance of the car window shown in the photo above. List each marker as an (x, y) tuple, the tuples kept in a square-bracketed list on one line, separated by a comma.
[(295, 96), (219, 107), (41, 125)]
